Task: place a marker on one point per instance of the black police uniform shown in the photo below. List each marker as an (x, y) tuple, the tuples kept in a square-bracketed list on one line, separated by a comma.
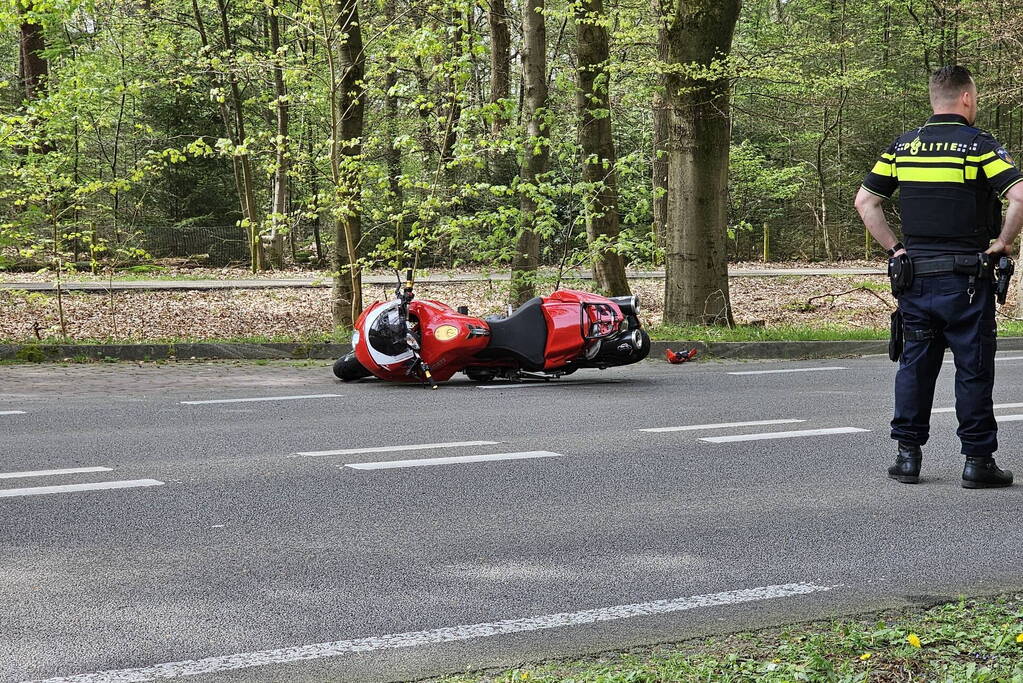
[(950, 176)]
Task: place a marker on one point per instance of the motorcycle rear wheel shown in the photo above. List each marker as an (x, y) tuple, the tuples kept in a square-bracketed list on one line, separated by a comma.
[(348, 369), (480, 374)]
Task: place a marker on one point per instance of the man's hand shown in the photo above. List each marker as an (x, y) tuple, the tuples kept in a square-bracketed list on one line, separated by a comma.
[(997, 247)]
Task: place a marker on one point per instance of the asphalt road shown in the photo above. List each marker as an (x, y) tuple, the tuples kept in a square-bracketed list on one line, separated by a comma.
[(229, 556), (321, 282)]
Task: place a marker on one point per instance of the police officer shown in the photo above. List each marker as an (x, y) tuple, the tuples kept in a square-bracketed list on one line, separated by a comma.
[(950, 178)]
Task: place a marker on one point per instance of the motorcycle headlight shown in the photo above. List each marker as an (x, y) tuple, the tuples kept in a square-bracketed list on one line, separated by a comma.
[(355, 339)]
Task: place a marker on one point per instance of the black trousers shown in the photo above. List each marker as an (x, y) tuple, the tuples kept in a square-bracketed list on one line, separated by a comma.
[(938, 314)]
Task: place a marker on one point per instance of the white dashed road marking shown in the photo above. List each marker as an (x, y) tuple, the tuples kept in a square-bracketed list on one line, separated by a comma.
[(49, 473), (260, 398), (393, 449), (721, 425), (72, 488), (997, 359), (996, 407), (12, 412), (424, 462), (779, 372), (300, 653), (783, 435), (1009, 418)]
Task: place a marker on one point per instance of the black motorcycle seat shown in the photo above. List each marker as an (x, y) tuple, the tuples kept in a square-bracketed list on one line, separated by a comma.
[(523, 334)]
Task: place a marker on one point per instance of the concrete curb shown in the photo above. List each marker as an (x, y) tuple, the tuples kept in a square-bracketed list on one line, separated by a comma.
[(782, 350)]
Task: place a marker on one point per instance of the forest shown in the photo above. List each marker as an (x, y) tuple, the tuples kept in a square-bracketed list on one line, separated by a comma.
[(360, 135)]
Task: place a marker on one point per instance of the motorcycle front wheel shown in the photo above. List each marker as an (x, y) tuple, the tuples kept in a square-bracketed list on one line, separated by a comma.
[(348, 369)]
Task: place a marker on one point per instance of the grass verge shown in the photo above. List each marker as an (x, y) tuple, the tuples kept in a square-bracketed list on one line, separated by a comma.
[(972, 640), (746, 333)]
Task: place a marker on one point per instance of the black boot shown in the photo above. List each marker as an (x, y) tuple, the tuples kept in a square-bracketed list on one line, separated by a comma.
[(907, 464), (983, 473)]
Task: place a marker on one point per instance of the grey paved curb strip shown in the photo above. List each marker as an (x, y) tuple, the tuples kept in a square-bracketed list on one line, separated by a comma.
[(213, 351), (781, 350)]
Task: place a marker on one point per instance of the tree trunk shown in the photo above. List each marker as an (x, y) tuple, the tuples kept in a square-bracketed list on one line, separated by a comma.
[(500, 64), (279, 210), (526, 259), (225, 117), (659, 165), (350, 104), (598, 149), (453, 111), (248, 182), (502, 164), (392, 155), (33, 67), (696, 285)]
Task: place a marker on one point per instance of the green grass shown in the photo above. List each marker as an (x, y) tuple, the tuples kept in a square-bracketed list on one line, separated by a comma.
[(971, 640), (747, 333)]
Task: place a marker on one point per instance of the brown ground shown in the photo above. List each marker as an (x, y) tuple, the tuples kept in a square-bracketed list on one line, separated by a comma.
[(299, 313), (233, 273)]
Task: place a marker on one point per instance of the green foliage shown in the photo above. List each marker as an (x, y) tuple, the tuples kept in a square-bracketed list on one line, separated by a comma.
[(133, 141), (967, 641)]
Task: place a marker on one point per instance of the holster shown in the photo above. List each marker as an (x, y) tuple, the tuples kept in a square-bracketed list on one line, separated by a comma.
[(897, 340), (1003, 275), (900, 274)]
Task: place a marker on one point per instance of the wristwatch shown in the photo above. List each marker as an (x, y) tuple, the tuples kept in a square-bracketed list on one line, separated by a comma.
[(897, 247)]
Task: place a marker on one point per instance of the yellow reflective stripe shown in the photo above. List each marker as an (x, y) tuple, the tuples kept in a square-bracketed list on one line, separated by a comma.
[(888, 156), (981, 157), (971, 172), (882, 168), (996, 166), (930, 175), (929, 160)]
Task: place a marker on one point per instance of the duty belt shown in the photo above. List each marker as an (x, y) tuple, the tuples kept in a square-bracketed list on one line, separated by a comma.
[(974, 265)]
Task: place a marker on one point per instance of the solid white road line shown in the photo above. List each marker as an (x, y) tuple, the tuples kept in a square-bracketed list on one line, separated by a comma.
[(12, 412), (47, 473), (424, 462), (1009, 418), (783, 435), (996, 407), (260, 398), (778, 372), (721, 425), (71, 488), (392, 449), (552, 383), (300, 653)]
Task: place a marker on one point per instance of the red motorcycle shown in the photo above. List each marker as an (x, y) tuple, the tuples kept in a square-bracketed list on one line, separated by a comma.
[(410, 340)]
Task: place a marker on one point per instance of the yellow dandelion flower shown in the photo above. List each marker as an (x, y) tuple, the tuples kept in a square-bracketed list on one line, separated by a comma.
[(914, 640), (1019, 638), (865, 656), (776, 661)]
